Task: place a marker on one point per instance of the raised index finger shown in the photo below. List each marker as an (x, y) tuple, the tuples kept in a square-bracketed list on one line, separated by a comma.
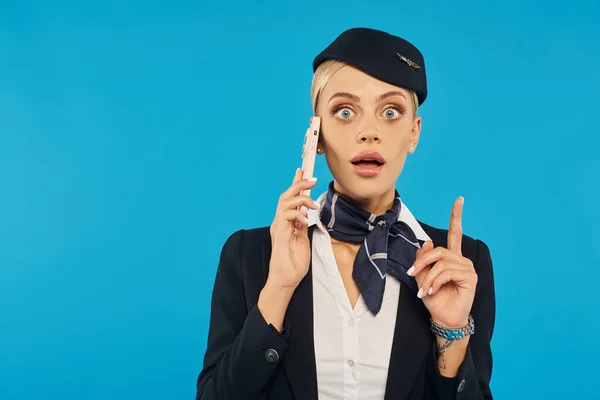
[(455, 230)]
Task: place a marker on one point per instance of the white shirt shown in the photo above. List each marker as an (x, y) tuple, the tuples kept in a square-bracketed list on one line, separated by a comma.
[(352, 347)]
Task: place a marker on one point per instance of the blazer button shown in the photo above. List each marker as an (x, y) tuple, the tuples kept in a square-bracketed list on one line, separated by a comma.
[(461, 386), (271, 356)]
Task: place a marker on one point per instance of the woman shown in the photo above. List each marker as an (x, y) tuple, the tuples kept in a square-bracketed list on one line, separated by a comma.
[(306, 310)]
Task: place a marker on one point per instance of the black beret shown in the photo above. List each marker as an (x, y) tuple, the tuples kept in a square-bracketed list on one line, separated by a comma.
[(384, 56)]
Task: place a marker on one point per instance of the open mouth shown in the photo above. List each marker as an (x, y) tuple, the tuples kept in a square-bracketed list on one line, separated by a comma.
[(368, 163)]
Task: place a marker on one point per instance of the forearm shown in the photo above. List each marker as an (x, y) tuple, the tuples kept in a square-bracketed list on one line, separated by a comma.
[(243, 350), (273, 303), (461, 370), (450, 355)]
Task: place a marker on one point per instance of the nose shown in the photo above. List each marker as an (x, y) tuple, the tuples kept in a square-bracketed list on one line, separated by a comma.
[(368, 136)]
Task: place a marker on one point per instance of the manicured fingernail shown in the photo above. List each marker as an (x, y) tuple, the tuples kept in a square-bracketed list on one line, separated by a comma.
[(420, 294), (313, 179), (411, 271), (430, 291)]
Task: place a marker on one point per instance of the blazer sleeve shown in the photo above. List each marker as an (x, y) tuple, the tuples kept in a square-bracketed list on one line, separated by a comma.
[(473, 379), (243, 351)]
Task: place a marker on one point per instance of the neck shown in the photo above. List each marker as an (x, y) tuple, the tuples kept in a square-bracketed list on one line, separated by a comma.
[(377, 205)]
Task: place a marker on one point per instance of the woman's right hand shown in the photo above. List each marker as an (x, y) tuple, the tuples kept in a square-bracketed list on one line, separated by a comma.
[(290, 254)]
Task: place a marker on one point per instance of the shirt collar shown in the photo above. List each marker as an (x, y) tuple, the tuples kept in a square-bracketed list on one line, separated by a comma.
[(405, 216)]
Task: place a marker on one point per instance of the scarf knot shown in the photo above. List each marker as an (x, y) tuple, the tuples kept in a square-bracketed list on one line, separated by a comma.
[(387, 244)]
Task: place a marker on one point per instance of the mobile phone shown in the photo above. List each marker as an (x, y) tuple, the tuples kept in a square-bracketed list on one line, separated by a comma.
[(309, 150)]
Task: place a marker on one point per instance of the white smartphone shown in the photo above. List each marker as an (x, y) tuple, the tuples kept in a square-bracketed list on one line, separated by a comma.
[(309, 150)]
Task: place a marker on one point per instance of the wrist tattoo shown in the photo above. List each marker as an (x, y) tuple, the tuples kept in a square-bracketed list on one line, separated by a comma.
[(441, 348)]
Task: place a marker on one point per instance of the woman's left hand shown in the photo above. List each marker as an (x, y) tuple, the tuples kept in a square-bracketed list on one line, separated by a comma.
[(448, 288)]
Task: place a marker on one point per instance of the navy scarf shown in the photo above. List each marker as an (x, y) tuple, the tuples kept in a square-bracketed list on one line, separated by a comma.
[(387, 245)]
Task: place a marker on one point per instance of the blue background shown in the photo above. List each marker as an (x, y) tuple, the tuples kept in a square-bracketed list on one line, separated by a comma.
[(131, 132)]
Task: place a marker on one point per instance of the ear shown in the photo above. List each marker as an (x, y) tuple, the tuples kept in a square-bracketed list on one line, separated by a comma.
[(320, 147), (415, 133)]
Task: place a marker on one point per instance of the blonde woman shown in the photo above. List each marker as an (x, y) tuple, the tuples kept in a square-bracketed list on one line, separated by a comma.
[(356, 299)]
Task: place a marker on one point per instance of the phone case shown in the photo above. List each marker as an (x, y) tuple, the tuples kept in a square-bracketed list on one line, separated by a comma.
[(309, 150)]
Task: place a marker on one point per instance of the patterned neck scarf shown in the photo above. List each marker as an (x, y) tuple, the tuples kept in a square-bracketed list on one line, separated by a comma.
[(387, 245)]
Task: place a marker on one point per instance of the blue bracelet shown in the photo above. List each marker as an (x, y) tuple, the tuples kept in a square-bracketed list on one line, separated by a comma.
[(454, 334)]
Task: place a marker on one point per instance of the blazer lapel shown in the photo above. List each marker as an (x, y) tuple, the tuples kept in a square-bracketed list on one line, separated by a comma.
[(411, 343), (299, 358)]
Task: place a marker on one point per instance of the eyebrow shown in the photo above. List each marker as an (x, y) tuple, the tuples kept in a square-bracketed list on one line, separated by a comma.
[(345, 95), (389, 94), (356, 99)]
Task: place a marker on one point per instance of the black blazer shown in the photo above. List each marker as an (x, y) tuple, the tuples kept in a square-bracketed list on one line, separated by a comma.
[(248, 359)]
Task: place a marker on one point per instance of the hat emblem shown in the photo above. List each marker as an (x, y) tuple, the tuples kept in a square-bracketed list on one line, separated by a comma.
[(409, 62)]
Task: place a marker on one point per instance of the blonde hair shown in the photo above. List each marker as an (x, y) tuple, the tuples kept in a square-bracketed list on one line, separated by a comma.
[(324, 73)]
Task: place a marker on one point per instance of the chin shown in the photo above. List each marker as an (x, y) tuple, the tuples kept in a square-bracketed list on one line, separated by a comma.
[(362, 188)]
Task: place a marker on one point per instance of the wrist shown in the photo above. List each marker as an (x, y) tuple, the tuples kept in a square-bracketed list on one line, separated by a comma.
[(454, 325), (450, 333), (456, 343), (279, 291), (273, 302)]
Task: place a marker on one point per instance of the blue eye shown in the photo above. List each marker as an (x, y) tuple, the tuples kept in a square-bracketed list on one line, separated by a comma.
[(390, 113), (344, 113)]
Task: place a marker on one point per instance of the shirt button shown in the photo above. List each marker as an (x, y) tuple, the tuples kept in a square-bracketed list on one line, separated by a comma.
[(461, 386), (351, 322), (351, 363), (272, 356)]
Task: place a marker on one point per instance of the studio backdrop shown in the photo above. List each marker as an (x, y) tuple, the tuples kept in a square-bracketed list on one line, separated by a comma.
[(135, 137)]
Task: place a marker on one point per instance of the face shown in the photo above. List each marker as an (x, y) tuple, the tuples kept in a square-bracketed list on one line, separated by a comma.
[(367, 130)]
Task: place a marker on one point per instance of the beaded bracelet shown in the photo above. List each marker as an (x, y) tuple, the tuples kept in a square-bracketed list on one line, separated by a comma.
[(454, 334)]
